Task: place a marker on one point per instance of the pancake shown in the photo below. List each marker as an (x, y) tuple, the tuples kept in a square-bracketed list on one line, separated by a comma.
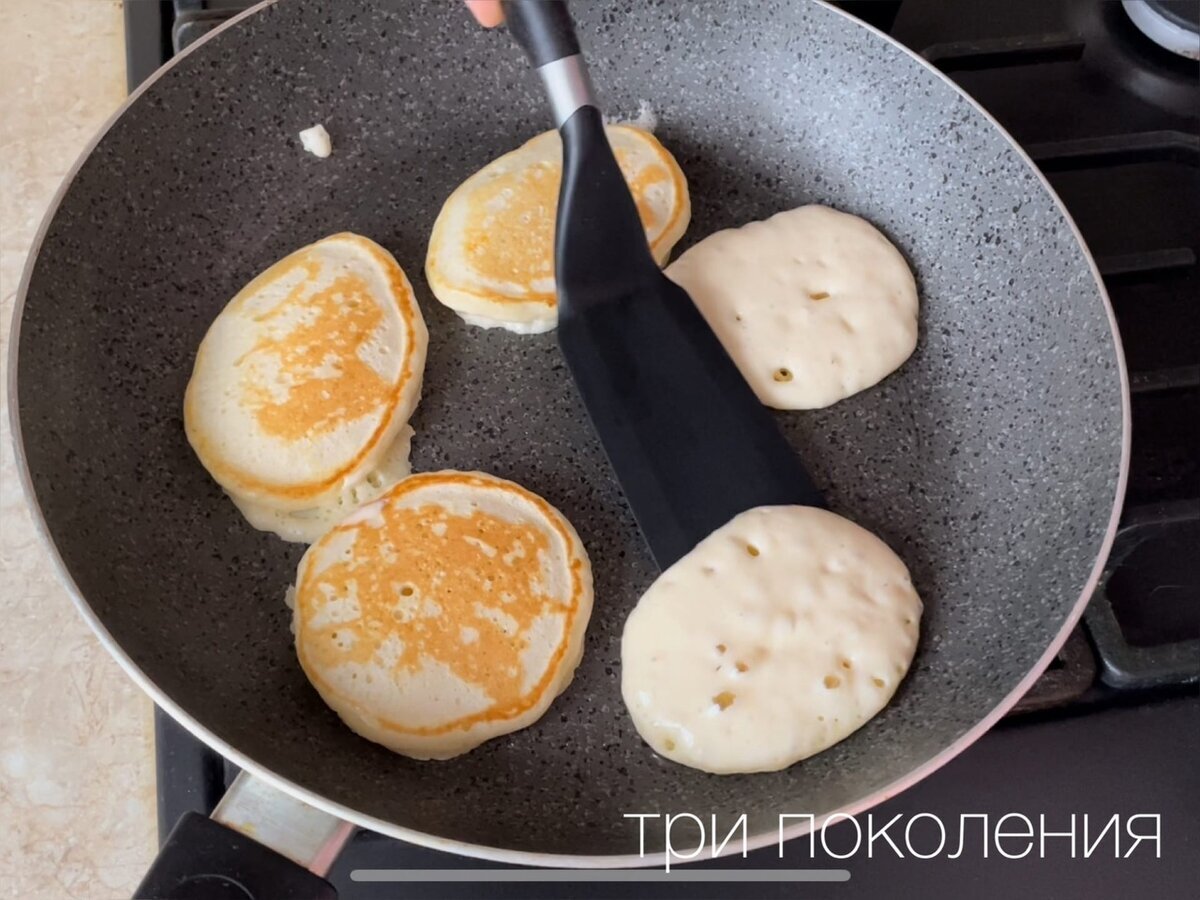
[(813, 304), (307, 377), (775, 638), (447, 612), (491, 253)]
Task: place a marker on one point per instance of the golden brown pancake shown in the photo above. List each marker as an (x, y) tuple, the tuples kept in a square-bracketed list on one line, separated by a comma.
[(491, 254), (447, 612), (307, 376)]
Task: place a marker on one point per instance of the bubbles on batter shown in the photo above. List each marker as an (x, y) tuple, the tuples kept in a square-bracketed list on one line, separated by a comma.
[(724, 700)]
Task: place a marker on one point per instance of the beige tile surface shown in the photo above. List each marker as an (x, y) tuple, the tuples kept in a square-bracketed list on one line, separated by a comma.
[(76, 754)]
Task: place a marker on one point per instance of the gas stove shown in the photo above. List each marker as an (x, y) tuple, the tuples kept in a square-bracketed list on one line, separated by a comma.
[(1112, 117)]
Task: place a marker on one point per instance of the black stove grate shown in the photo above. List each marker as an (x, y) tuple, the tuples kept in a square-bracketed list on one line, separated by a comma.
[(1143, 642)]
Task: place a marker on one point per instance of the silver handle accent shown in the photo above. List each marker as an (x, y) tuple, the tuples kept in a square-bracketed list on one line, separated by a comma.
[(567, 86), (289, 826)]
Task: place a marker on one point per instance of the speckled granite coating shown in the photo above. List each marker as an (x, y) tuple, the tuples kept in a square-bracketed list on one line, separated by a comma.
[(989, 462)]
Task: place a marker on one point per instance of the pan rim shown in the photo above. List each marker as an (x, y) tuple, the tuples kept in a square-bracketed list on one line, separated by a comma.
[(528, 857)]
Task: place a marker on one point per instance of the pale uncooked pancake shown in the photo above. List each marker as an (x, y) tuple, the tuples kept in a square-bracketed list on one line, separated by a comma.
[(776, 637), (813, 304), (491, 254), (447, 612), (306, 379)]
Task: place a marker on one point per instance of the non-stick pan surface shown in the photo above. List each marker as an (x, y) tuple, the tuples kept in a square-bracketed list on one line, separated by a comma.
[(991, 462)]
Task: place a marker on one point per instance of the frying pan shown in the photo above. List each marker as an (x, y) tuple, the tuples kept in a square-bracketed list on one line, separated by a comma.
[(993, 462)]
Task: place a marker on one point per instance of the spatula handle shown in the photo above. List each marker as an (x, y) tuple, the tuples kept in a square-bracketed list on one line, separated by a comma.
[(542, 28)]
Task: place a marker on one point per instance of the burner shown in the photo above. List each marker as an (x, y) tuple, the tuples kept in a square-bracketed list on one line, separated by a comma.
[(1172, 24)]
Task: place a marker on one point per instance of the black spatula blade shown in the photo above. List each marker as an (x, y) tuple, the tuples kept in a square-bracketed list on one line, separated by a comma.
[(689, 441), (690, 444)]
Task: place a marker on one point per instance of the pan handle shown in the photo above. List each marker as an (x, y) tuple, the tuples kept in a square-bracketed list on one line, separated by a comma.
[(292, 847)]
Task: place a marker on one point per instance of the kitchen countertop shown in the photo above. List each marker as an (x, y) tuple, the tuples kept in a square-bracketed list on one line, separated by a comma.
[(76, 745)]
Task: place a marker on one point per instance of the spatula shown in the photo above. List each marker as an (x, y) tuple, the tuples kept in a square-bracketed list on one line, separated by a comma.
[(690, 443)]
